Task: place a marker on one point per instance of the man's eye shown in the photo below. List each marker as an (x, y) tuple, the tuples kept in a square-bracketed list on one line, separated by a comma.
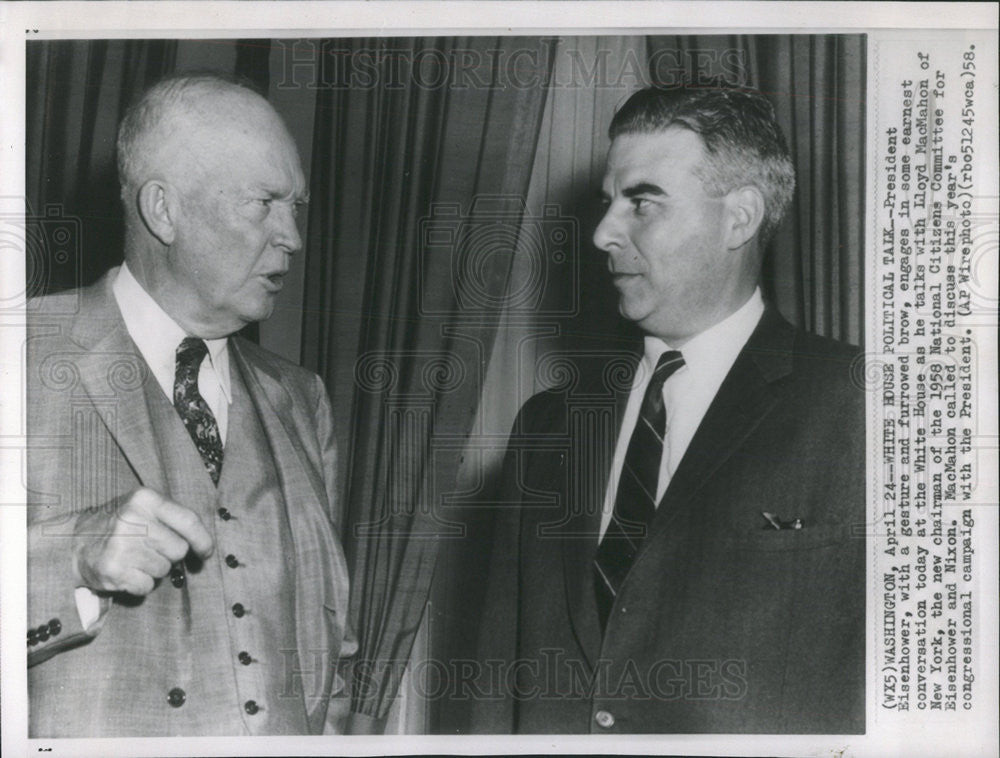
[(298, 206), (639, 203)]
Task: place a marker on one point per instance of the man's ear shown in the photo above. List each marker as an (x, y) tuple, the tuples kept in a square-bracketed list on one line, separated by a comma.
[(746, 212), (155, 201)]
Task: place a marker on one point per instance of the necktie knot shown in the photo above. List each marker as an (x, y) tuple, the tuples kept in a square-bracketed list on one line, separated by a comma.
[(191, 352), (191, 406), (667, 364), (652, 404)]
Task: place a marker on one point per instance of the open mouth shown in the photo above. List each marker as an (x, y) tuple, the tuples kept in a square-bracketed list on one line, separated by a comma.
[(275, 280)]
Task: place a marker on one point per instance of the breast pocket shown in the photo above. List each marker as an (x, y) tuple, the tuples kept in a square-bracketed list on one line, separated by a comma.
[(788, 540)]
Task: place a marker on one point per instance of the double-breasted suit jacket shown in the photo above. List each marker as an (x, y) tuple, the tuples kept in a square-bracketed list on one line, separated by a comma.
[(725, 623), (92, 409)]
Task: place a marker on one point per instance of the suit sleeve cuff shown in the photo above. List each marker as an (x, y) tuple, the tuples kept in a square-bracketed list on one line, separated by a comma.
[(54, 615)]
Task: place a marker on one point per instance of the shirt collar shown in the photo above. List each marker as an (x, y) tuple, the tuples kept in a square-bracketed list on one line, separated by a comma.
[(157, 335), (716, 348)]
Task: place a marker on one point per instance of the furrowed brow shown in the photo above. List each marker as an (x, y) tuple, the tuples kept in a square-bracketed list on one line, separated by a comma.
[(294, 197), (643, 188)]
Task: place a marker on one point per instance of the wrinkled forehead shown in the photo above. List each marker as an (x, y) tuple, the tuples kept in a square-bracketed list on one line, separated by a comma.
[(241, 136), (634, 156), (229, 116)]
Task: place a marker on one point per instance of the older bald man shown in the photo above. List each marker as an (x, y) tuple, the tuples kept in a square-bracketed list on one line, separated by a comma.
[(185, 575)]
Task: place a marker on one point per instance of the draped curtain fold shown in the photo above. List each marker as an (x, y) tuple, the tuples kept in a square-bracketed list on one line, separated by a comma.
[(77, 92), (420, 190)]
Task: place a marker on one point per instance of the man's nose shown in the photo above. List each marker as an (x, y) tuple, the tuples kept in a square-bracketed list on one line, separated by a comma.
[(286, 234), (608, 233)]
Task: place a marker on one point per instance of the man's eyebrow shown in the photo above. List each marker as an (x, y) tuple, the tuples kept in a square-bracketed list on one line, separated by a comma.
[(642, 188), (292, 196)]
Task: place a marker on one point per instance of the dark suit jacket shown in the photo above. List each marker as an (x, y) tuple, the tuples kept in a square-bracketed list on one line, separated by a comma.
[(722, 625), (90, 443)]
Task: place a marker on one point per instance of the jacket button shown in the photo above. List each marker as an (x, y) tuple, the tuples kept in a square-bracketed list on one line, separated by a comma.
[(224, 514), (245, 658), (176, 697), (239, 610), (55, 627), (604, 719), (43, 632), (251, 707), (32, 637), (177, 577), (231, 561)]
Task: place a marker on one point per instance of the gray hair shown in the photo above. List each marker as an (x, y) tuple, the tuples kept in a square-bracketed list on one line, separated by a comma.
[(156, 105), (744, 145)]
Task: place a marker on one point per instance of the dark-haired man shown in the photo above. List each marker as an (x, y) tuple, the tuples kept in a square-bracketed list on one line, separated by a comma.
[(185, 576), (700, 568)]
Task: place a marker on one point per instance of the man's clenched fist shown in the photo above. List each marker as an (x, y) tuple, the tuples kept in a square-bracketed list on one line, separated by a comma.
[(129, 549)]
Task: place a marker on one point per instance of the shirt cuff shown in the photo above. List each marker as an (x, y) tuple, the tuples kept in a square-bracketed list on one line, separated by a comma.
[(88, 605)]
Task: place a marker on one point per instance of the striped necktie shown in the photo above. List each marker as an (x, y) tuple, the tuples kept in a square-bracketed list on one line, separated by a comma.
[(192, 408), (635, 501)]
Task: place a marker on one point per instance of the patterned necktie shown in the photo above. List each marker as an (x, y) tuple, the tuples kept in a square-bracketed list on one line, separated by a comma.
[(193, 409), (635, 501)]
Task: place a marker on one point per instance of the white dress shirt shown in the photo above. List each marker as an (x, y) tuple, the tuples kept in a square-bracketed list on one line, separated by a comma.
[(686, 394), (157, 336)]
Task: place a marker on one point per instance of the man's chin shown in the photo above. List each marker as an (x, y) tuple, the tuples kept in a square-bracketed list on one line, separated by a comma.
[(262, 307), (261, 314), (648, 321), (632, 311)]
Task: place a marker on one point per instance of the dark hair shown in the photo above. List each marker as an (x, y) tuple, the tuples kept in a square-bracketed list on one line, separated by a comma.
[(743, 142)]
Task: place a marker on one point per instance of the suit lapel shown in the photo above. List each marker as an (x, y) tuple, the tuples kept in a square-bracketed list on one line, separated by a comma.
[(319, 587), (113, 374), (274, 407), (591, 458), (744, 399)]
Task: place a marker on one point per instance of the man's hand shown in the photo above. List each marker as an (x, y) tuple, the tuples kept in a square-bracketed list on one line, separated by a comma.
[(129, 549)]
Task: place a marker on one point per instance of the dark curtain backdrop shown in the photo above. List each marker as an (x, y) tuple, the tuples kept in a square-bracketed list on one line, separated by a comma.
[(419, 191), (814, 271)]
